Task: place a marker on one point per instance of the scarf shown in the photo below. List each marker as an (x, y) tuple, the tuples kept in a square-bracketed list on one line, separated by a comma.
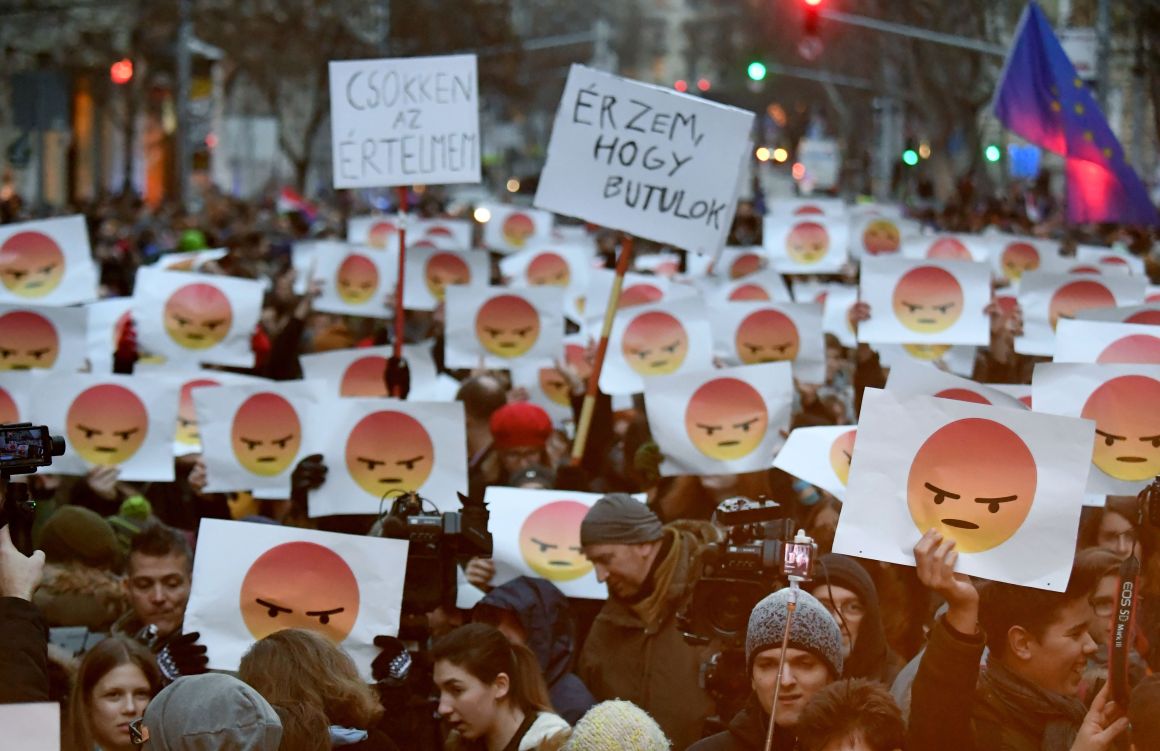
[(651, 607), (1023, 705)]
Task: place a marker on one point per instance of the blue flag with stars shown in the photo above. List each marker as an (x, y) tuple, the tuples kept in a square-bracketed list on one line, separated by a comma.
[(1041, 98)]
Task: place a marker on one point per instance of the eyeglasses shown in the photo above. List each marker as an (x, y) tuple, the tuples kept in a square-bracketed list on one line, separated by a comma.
[(851, 610), (138, 733)]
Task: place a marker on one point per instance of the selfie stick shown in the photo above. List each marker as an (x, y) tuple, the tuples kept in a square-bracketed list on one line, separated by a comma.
[(589, 405), (397, 374), (790, 607)]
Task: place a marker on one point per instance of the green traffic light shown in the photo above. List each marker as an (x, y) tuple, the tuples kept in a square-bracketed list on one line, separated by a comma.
[(756, 71), (910, 157), (992, 153)]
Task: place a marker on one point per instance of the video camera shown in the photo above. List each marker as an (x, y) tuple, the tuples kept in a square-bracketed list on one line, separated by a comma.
[(758, 555), (24, 448), (439, 541)]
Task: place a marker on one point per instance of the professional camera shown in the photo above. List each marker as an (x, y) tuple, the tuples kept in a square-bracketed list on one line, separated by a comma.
[(758, 555), (24, 448), (439, 541)]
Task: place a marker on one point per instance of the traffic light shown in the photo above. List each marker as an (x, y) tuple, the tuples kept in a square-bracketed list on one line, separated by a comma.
[(756, 70), (992, 153), (121, 72), (910, 157), (681, 85), (810, 10)]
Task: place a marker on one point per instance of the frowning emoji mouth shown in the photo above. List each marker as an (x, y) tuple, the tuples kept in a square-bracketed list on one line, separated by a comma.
[(959, 523)]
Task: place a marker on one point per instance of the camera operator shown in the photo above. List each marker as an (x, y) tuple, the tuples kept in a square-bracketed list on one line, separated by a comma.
[(813, 660), (24, 647), (635, 651)]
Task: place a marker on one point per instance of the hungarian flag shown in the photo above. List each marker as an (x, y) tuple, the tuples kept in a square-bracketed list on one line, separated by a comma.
[(289, 201)]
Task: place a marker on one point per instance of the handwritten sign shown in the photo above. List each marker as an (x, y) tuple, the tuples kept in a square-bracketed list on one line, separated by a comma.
[(404, 121), (644, 160)]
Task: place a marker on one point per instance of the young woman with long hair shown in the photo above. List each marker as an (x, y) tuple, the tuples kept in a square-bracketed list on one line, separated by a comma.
[(492, 693), (114, 682), (315, 688)]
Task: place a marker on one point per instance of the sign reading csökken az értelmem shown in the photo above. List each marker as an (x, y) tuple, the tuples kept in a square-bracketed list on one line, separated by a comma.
[(644, 160), (404, 121)]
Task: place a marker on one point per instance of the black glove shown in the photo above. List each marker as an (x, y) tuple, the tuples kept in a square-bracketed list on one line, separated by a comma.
[(393, 664), (309, 475), (182, 655)]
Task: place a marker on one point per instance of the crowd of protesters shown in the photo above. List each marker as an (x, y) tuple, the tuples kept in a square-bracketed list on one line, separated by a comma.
[(866, 656)]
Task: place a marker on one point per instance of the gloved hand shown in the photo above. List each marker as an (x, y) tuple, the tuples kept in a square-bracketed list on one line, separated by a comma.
[(309, 475), (393, 664), (182, 655)]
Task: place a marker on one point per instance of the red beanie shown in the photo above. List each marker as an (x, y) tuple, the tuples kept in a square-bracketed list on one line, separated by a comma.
[(520, 424)]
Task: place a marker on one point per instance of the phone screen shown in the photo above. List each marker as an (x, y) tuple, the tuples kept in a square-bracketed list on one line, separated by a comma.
[(23, 447), (798, 559)]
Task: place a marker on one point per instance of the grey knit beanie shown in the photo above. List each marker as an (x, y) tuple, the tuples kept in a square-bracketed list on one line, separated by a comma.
[(813, 629), (619, 519)]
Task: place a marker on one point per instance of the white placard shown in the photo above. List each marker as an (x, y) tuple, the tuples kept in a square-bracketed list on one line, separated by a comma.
[(431, 270), (720, 422), (820, 456), (47, 262), (637, 289), (360, 372), (15, 397), (912, 379), (537, 533), (251, 580), (738, 262), (514, 228), (1045, 298), (653, 340), (1110, 260), (807, 207), (925, 302), (746, 333), (355, 280), (378, 448), (946, 246), (838, 303), (187, 437), (379, 231), (1020, 391), (546, 388), (645, 160), (762, 286), (194, 318), (453, 233), (807, 244), (190, 260), (30, 726), (404, 121), (254, 435), (1124, 402), (43, 338), (110, 421), (955, 358), (501, 326), (1107, 343), (925, 463), (877, 234), (1147, 314), (1014, 255), (565, 266)]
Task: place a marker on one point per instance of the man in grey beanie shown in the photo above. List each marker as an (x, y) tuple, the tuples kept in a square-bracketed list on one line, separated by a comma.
[(813, 660), (635, 651), (211, 712)]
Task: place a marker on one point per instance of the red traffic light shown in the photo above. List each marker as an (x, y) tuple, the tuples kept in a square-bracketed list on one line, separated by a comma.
[(681, 85), (121, 72)]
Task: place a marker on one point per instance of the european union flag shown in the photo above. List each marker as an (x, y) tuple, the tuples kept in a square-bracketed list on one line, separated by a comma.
[(1041, 98)]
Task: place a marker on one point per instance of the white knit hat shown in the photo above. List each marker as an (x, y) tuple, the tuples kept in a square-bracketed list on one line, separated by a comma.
[(617, 726)]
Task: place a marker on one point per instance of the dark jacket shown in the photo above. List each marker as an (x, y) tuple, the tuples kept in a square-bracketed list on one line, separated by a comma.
[(871, 656), (550, 631), (952, 711), (747, 733), (23, 652), (651, 664)]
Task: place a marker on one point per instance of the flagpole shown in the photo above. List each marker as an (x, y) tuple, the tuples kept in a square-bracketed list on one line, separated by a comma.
[(589, 406)]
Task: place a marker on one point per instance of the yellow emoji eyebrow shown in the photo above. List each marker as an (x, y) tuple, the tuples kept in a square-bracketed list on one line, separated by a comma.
[(746, 423), (940, 491), (272, 606), (1003, 499), (1150, 437), (1112, 435), (709, 428)]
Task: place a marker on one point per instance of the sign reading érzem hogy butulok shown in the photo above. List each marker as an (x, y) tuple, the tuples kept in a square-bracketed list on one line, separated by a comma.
[(405, 121), (644, 160)]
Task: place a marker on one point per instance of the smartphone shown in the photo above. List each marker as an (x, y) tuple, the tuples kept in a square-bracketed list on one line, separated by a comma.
[(25, 447), (798, 562)]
